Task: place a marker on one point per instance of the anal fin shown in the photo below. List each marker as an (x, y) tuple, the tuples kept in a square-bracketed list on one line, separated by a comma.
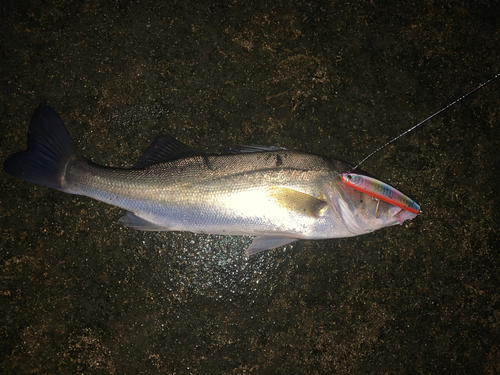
[(133, 221), (262, 243)]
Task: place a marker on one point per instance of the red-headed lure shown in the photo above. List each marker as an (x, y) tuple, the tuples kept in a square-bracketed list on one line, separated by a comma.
[(379, 190)]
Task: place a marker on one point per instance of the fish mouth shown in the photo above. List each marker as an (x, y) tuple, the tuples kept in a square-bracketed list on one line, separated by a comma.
[(401, 215)]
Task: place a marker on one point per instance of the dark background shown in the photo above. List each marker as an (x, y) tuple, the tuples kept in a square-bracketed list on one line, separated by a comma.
[(82, 294)]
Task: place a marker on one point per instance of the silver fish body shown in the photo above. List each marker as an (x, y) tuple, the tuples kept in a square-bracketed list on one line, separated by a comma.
[(275, 194)]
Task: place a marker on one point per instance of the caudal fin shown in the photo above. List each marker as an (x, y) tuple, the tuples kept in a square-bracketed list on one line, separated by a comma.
[(48, 148)]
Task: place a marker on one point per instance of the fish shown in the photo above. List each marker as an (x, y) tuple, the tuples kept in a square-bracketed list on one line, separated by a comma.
[(277, 195)]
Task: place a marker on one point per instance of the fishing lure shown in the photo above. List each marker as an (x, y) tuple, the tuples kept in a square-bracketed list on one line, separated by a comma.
[(382, 191), (379, 190)]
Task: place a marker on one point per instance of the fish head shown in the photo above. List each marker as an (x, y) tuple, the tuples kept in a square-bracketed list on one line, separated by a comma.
[(361, 213)]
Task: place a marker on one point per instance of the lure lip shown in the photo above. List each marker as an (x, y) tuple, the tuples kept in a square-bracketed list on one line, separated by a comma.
[(380, 190)]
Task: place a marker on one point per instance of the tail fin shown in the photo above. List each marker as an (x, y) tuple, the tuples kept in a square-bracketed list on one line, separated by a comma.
[(49, 147)]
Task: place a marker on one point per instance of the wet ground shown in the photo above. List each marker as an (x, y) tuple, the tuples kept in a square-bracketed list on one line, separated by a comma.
[(80, 294)]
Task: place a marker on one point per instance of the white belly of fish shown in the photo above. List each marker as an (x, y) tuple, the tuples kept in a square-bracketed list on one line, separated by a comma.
[(251, 212)]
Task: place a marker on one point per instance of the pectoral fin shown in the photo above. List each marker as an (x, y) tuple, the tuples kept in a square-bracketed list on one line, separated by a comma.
[(262, 243), (297, 201)]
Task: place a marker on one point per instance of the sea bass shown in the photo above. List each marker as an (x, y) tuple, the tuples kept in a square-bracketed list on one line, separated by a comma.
[(275, 194)]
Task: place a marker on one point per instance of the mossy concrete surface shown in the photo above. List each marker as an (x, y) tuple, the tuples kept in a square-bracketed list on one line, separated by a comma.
[(80, 294)]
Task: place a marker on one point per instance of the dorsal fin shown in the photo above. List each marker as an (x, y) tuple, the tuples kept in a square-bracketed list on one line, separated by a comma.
[(165, 148), (248, 149)]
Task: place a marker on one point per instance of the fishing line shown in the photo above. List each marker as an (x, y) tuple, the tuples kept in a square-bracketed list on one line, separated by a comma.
[(427, 119)]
